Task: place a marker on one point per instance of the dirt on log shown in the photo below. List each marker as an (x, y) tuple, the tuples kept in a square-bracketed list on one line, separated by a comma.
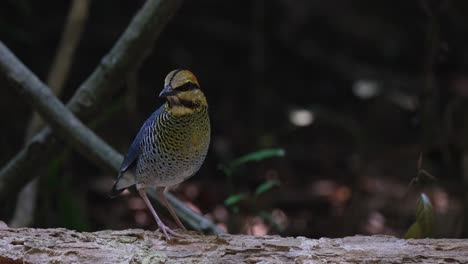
[(28, 245)]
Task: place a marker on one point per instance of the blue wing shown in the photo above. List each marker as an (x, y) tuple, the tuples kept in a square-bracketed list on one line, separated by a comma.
[(134, 150), (124, 179)]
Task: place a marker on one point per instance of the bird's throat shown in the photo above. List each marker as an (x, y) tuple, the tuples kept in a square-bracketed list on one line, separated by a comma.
[(175, 101), (178, 106)]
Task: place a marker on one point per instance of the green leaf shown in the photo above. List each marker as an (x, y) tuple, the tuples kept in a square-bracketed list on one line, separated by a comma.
[(235, 198), (266, 186), (414, 231), (425, 214), (424, 225), (254, 156)]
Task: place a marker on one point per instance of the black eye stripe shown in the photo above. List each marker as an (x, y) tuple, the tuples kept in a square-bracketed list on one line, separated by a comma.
[(187, 87)]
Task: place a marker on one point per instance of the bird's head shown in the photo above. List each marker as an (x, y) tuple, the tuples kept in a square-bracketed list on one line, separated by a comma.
[(182, 91)]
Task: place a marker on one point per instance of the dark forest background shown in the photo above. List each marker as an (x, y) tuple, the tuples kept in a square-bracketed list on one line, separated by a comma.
[(354, 92)]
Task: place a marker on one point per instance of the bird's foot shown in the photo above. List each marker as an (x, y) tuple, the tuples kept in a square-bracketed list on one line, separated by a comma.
[(169, 233)]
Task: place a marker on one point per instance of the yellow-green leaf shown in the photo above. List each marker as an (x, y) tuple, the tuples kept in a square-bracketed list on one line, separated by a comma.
[(254, 156), (424, 225), (235, 198), (425, 214), (414, 231), (266, 186)]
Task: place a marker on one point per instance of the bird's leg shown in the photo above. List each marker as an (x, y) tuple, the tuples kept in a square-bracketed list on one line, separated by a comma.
[(166, 230), (160, 191)]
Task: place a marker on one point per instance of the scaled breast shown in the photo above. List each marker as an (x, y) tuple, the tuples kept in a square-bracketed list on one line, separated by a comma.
[(173, 149)]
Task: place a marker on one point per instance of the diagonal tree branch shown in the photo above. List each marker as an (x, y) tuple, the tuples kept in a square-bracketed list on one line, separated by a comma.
[(135, 44), (128, 53), (63, 122), (71, 129), (63, 59)]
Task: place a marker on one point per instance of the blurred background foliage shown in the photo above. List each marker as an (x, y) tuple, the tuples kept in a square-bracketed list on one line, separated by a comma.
[(351, 91)]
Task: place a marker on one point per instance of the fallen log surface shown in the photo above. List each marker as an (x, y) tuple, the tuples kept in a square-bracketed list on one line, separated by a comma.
[(29, 245)]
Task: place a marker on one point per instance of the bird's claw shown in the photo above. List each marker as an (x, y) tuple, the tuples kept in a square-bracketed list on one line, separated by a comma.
[(169, 233)]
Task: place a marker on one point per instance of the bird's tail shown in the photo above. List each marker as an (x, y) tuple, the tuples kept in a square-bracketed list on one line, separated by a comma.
[(124, 180)]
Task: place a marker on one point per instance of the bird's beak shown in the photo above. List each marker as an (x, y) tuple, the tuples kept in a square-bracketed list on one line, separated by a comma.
[(167, 91)]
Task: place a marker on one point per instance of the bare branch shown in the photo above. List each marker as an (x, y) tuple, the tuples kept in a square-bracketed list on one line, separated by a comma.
[(64, 57), (63, 122), (85, 102), (73, 29), (135, 44), (128, 53), (74, 26), (131, 48)]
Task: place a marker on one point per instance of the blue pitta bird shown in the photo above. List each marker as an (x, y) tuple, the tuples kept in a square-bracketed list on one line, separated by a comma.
[(170, 146)]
